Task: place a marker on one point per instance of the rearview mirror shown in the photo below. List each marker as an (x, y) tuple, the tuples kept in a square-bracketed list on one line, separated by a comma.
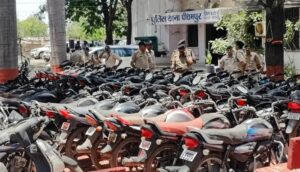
[(176, 78), (149, 76), (197, 79)]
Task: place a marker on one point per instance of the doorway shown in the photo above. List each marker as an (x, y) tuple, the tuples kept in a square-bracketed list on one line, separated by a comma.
[(211, 34)]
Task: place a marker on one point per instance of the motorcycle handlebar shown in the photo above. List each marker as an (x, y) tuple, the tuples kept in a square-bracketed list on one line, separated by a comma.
[(278, 103), (23, 126), (206, 102)]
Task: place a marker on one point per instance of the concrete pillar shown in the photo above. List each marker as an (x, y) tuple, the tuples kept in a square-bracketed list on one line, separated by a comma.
[(8, 41), (202, 43), (56, 11), (294, 152)]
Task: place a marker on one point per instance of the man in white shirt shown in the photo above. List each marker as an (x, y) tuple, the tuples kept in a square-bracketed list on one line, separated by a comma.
[(231, 62), (151, 53)]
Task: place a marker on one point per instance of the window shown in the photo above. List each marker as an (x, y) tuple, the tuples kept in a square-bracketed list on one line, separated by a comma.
[(192, 32), (292, 14)]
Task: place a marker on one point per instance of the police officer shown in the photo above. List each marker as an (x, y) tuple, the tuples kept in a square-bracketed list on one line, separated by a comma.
[(151, 53), (240, 55), (182, 58), (110, 59), (231, 62), (141, 58), (77, 56), (252, 60)]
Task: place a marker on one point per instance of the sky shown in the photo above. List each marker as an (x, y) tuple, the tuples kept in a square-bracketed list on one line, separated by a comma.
[(25, 8)]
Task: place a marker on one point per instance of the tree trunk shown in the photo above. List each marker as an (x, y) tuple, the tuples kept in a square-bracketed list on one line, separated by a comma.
[(274, 40), (129, 21), (109, 35), (56, 13), (8, 41)]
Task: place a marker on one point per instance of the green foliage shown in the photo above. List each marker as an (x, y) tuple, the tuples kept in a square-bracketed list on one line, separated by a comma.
[(219, 46), (289, 35), (120, 23), (75, 30), (32, 27), (98, 14), (239, 26), (208, 57), (290, 32), (290, 68), (88, 9)]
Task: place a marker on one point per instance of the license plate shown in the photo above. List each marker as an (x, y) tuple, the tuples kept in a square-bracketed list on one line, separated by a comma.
[(112, 137), (145, 145), (90, 131), (65, 126), (293, 116), (188, 155)]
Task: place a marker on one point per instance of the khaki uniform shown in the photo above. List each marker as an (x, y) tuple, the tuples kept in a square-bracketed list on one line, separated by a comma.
[(152, 56), (231, 64), (110, 59), (77, 57), (142, 60), (253, 62), (180, 61)]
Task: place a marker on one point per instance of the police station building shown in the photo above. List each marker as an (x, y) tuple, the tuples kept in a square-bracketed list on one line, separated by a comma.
[(173, 20)]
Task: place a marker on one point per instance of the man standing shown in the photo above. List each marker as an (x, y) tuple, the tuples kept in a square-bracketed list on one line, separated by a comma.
[(110, 58), (252, 60), (141, 58), (230, 62), (77, 56), (151, 53), (182, 58), (240, 54)]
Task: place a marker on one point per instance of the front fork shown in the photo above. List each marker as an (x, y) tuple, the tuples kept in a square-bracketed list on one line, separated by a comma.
[(88, 143), (291, 127)]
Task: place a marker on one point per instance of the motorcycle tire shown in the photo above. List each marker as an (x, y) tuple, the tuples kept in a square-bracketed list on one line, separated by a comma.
[(71, 145), (170, 148), (130, 146), (96, 156), (213, 158)]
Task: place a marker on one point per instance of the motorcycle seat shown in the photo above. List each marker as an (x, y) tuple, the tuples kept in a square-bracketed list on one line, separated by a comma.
[(135, 119), (232, 136), (255, 129), (215, 120), (179, 128)]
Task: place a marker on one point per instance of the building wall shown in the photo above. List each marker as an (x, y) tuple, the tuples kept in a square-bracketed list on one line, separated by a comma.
[(169, 35), (202, 4), (292, 58)]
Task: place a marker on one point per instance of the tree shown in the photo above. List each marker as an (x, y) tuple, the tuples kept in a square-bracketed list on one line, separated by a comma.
[(75, 30), (97, 13), (56, 12), (32, 27), (128, 6), (239, 26), (275, 34)]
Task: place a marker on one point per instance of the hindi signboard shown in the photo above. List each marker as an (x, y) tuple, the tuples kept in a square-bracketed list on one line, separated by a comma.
[(187, 17)]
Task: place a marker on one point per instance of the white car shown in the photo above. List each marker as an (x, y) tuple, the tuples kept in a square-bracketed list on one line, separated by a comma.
[(37, 53), (125, 52)]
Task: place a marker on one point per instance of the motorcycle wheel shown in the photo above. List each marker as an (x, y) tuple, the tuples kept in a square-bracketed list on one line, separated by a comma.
[(127, 148), (96, 156), (75, 139), (163, 156), (211, 163)]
